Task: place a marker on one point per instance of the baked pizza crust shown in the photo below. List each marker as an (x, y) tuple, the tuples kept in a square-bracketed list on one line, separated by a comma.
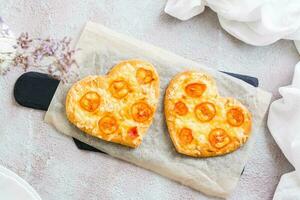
[(221, 127), (118, 107)]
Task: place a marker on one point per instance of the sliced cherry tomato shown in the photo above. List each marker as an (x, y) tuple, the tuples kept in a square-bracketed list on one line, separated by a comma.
[(186, 135), (141, 112), (119, 89), (108, 124), (144, 76), (133, 132), (181, 108), (90, 101), (205, 111), (235, 117), (195, 89), (219, 138)]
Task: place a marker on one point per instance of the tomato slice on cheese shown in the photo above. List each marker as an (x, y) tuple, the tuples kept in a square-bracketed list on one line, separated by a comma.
[(219, 138), (144, 76), (180, 108), (90, 101), (119, 89), (186, 135), (195, 89), (108, 124), (141, 112), (235, 117), (205, 111)]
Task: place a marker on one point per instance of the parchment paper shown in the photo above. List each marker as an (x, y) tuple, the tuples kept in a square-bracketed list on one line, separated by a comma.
[(101, 49)]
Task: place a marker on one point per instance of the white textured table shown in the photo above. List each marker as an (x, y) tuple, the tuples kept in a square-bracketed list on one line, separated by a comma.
[(50, 161)]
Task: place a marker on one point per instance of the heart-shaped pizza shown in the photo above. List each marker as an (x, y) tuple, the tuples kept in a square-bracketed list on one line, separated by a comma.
[(118, 107), (201, 123)]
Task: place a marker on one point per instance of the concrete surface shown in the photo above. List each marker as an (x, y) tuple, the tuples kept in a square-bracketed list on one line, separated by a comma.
[(50, 161)]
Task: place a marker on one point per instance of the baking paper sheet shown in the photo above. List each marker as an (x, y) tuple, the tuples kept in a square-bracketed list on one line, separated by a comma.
[(102, 48)]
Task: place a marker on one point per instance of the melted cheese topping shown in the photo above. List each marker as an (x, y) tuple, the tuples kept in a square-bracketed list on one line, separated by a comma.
[(118, 107), (218, 125)]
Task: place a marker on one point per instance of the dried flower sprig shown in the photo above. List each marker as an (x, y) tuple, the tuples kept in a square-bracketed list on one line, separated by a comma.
[(49, 55)]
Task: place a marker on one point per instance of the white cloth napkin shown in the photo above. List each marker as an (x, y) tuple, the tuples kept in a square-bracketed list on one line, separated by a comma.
[(256, 22), (284, 125), (288, 187)]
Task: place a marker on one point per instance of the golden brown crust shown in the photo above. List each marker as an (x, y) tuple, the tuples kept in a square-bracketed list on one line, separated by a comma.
[(112, 119), (210, 138)]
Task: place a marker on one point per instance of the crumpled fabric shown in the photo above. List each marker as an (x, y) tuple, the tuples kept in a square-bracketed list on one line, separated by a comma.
[(284, 125), (256, 22), (288, 187)]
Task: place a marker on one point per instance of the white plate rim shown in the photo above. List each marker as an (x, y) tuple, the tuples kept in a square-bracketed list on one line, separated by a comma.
[(21, 182)]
